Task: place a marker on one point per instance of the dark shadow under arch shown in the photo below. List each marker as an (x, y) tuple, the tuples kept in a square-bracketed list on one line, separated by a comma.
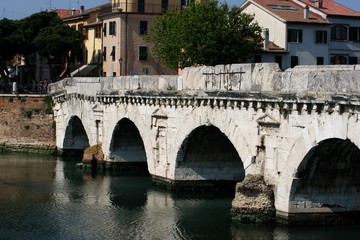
[(209, 154), (126, 143), (75, 139), (328, 177)]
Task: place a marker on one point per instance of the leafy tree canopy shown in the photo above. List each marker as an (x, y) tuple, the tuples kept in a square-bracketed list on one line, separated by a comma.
[(31, 26), (204, 33), (9, 38), (58, 39), (42, 32)]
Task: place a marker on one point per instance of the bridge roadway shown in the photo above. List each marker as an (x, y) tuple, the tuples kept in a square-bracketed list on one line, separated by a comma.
[(299, 129)]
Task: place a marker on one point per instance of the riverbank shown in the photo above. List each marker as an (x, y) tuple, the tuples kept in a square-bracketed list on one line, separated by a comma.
[(27, 124)]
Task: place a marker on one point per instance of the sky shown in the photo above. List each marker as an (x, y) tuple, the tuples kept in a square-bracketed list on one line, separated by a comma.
[(17, 9)]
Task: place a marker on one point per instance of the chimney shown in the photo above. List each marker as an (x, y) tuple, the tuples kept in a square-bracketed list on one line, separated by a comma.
[(306, 12), (266, 38), (82, 9), (73, 11), (318, 3)]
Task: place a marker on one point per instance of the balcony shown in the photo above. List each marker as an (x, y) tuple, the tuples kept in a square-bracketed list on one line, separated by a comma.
[(137, 8)]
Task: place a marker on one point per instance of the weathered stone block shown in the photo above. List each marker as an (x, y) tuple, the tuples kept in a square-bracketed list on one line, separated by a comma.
[(254, 200)]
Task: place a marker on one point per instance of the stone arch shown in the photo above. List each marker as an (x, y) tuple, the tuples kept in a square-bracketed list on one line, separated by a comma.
[(228, 124), (208, 154), (76, 138), (320, 130), (126, 143), (328, 178)]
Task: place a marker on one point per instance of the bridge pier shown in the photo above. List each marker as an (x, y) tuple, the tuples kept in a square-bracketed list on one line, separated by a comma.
[(254, 201)]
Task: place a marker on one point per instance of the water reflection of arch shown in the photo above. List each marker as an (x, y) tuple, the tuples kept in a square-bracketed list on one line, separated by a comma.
[(208, 154), (76, 137), (124, 195)]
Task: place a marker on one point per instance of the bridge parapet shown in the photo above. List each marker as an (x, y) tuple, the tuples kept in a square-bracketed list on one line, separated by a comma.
[(261, 77), (267, 77)]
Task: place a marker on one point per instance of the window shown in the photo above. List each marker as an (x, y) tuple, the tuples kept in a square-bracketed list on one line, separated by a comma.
[(353, 60), (114, 74), (321, 37), (112, 28), (164, 5), (338, 59), (184, 3), (294, 61), (354, 34), (104, 54), (104, 29), (278, 60), (80, 27), (283, 7), (145, 71), (113, 53), (143, 27), (319, 61), (142, 53), (339, 32), (98, 32), (86, 33), (295, 35), (141, 6)]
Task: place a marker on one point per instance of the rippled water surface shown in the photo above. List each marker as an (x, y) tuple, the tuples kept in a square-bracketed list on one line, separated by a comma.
[(46, 198)]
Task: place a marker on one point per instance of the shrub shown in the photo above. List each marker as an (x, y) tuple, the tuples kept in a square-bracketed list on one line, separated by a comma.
[(27, 113)]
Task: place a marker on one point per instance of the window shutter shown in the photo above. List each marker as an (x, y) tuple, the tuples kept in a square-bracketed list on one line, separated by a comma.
[(325, 37), (300, 35), (289, 35)]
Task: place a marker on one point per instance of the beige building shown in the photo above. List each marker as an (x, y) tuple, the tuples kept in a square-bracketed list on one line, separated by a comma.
[(125, 23), (88, 61)]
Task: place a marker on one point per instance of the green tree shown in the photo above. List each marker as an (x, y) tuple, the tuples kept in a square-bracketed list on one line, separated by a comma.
[(9, 44), (58, 40), (29, 29), (206, 34), (43, 33)]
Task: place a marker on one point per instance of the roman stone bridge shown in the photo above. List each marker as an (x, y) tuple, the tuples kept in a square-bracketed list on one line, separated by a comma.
[(298, 129)]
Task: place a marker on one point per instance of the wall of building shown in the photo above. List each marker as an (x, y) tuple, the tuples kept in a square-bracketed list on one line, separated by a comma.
[(277, 27), (93, 46), (345, 48), (307, 51)]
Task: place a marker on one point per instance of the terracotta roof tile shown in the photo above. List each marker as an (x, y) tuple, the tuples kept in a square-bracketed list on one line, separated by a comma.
[(331, 7), (273, 48), (289, 11), (64, 13)]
